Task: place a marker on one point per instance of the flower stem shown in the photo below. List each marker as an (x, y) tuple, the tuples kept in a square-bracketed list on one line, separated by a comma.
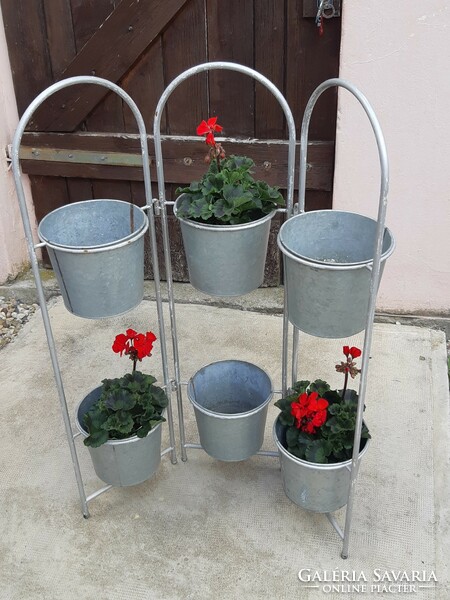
[(345, 385)]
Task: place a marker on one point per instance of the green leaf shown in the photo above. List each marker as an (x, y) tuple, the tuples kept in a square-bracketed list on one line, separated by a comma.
[(292, 436), (120, 400), (96, 439), (301, 386), (248, 200), (119, 421), (315, 452)]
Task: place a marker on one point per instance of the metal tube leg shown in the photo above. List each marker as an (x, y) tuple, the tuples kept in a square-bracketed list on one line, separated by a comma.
[(173, 324), (159, 309), (295, 337), (60, 388), (285, 347)]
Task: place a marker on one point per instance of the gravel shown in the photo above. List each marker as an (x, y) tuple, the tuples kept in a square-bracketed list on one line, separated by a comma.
[(13, 316)]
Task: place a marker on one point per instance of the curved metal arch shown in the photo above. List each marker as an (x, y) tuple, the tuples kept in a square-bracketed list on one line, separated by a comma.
[(35, 267), (239, 69), (376, 267)]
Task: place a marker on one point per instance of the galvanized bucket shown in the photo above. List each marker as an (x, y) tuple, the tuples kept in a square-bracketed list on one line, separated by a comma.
[(230, 400), (226, 260), (320, 488), (122, 462), (328, 256), (96, 248)]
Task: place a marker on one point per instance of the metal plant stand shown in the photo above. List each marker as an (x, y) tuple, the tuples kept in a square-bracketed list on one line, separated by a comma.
[(35, 268), (374, 282), (161, 207), (291, 211), (158, 208)]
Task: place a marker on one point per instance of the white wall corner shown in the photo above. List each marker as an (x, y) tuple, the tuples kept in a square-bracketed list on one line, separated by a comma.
[(13, 247), (394, 53)]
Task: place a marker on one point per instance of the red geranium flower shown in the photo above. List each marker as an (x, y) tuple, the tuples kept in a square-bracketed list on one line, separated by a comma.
[(309, 411), (353, 351), (136, 345), (209, 128)]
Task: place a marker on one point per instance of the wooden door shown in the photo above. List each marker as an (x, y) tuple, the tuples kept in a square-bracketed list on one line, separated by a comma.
[(82, 143)]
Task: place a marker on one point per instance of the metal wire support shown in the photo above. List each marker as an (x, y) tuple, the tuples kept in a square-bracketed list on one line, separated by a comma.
[(35, 267), (375, 276), (162, 198)]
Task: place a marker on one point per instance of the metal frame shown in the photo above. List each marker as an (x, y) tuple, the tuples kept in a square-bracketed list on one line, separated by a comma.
[(158, 207), (35, 267), (163, 202), (374, 281)]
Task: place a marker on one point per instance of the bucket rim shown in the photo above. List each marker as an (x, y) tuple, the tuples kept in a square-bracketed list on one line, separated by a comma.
[(227, 416), (310, 465), (305, 260), (132, 237), (130, 440), (209, 227)]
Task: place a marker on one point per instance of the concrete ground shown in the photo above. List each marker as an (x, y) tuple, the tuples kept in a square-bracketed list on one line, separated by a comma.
[(205, 530)]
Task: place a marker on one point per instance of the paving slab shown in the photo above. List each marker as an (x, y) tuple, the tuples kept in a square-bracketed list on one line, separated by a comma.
[(205, 529)]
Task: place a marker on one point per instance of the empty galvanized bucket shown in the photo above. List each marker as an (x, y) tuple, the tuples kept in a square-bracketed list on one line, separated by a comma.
[(321, 488), (96, 248), (122, 462), (230, 400), (226, 260), (328, 256)]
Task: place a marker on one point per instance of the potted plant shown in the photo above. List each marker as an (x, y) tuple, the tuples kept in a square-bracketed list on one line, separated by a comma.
[(314, 434), (121, 419), (225, 221)]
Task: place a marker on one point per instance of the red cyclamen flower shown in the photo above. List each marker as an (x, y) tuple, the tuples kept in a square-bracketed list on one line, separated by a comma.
[(208, 128), (310, 412)]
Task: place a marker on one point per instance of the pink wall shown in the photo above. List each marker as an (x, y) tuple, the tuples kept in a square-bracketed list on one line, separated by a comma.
[(13, 251), (396, 53)]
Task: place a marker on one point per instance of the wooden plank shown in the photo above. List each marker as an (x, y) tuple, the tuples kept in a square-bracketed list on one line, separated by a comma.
[(60, 37), (130, 28), (145, 84), (230, 38), (26, 37), (48, 193), (269, 61), (183, 158), (311, 59), (87, 17), (79, 189), (116, 189), (182, 49)]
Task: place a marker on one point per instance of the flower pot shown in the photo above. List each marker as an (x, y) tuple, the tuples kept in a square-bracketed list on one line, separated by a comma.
[(96, 248), (230, 400), (225, 260), (122, 462), (328, 256), (320, 488)]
